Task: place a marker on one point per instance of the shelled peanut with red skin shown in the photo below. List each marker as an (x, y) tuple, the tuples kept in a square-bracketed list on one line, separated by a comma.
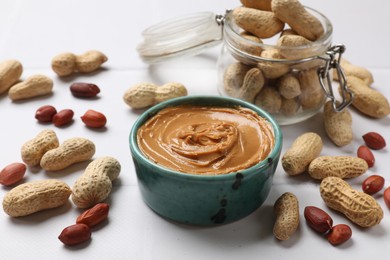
[(339, 234), (365, 153), (75, 234), (63, 117), (94, 216), (94, 119), (386, 197), (318, 219), (12, 173), (373, 184), (45, 114), (374, 140), (84, 90)]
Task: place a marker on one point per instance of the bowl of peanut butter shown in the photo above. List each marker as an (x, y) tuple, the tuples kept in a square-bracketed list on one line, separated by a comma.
[(205, 160)]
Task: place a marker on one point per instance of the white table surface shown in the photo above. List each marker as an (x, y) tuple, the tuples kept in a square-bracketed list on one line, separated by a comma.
[(34, 31)]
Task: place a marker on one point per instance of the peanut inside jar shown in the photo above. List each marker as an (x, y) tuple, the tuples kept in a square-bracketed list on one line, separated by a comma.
[(206, 140)]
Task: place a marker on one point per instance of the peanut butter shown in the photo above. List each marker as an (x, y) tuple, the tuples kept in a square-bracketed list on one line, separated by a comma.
[(206, 140)]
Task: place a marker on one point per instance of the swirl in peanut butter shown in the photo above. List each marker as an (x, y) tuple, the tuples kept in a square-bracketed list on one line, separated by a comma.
[(206, 140)]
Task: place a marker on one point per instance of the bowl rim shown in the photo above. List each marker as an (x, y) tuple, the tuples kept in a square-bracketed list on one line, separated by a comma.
[(269, 160)]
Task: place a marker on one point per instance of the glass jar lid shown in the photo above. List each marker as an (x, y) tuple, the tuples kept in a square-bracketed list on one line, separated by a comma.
[(187, 35)]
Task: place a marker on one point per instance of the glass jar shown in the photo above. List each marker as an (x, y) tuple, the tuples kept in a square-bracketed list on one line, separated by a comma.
[(290, 83)]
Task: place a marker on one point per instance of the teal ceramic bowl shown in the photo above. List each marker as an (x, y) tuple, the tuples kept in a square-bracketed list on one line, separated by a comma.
[(203, 199)]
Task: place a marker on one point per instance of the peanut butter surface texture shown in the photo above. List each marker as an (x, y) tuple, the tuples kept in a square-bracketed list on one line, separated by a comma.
[(206, 140)]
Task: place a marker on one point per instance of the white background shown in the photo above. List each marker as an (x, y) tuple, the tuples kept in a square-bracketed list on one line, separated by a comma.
[(35, 31)]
